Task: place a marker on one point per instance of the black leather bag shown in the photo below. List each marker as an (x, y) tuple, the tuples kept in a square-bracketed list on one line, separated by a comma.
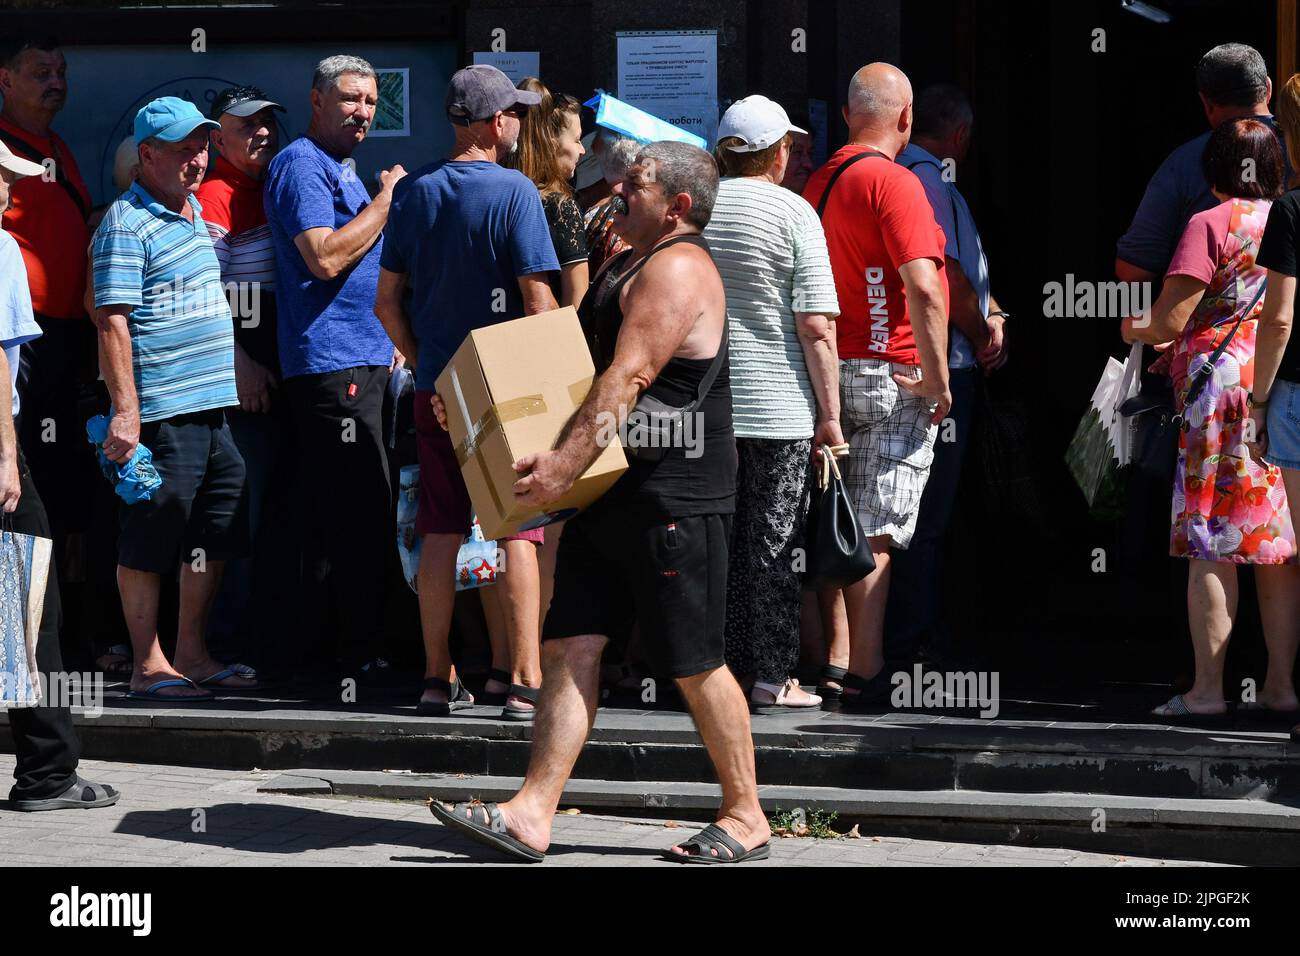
[(1157, 419), (837, 551), (1157, 425)]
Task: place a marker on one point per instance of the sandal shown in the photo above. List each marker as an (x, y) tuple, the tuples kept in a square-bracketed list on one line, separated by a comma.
[(501, 677), (711, 838), (81, 795), (514, 712), (458, 698), (245, 674), (483, 822), (780, 703), (1178, 714), (154, 692), (825, 691), (116, 662), (870, 693)]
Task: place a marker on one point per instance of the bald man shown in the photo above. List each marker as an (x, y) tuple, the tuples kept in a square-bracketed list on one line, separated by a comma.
[(887, 253)]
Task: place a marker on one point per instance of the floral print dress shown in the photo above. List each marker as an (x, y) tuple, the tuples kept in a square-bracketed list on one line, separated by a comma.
[(1227, 506)]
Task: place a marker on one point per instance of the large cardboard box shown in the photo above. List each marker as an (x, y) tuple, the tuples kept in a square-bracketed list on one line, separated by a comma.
[(509, 389)]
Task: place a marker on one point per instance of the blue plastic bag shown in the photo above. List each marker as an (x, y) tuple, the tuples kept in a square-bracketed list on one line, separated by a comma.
[(134, 480)]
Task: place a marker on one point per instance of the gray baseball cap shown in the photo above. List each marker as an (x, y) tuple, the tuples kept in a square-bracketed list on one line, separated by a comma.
[(477, 92)]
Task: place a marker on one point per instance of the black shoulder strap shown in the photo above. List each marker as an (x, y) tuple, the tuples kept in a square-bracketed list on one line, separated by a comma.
[(955, 224), (826, 193), (1205, 371), (715, 367), (18, 145)]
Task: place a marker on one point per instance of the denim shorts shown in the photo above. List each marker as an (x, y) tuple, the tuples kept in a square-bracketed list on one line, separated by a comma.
[(1284, 425)]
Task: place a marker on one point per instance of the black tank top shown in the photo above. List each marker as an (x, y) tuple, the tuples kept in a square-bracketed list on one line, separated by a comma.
[(699, 478)]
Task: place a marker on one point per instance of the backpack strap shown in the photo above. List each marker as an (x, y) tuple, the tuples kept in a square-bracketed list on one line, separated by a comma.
[(18, 145), (826, 193)]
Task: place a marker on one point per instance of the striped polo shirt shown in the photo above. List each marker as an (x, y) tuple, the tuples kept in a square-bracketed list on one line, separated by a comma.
[(164, 267), (768, 245)]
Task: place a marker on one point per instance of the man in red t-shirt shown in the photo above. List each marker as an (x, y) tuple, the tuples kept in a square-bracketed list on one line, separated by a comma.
[(47, 216), (886, 252)]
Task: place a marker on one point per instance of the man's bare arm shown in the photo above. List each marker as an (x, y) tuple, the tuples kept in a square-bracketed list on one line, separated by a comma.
[(659, 311), (928, 315), (536, 289), (119, 375), (388, 309), (330, 252), (1127, 272)]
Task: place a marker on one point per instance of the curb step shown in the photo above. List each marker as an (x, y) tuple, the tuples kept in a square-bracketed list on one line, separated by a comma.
[(984, 806), (1246, 832)]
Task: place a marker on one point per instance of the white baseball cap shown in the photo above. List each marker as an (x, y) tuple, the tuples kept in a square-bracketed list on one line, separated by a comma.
[(758, 121), (17, 165)]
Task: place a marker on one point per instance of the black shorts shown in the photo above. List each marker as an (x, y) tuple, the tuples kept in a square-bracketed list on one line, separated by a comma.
[(197, 505), (669, 576)]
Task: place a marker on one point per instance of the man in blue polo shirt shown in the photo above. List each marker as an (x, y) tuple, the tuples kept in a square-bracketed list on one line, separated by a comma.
[(167, 356), (335, 358)]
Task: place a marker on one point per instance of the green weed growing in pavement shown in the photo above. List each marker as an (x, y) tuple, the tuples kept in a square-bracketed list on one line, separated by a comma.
[(803, 823)]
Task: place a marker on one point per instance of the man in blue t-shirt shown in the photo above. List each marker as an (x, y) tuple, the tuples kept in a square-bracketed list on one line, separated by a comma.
[(335, 356), (468, 240), (1233, 82)]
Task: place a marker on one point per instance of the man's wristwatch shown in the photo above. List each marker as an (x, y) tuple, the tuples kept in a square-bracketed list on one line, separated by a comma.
[(1005, 315), (1250, 400)]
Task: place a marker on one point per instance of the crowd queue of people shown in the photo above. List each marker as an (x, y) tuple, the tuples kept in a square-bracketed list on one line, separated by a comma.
[(251, 300)]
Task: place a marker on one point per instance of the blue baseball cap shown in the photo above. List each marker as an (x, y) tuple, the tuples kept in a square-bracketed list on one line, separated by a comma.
[(170, 119)]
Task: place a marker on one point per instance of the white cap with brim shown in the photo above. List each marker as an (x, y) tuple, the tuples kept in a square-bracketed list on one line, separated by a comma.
[(756, 120), (17, 165)]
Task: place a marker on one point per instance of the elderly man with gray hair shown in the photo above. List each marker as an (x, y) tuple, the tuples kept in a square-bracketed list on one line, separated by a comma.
[(335, 357), (654, 548), (1232, 82)]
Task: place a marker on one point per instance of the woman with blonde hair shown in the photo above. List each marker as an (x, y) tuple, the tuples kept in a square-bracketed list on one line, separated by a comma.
[(550, 145)]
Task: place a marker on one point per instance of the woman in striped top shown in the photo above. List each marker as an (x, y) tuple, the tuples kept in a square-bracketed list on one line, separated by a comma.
[(770, 249)]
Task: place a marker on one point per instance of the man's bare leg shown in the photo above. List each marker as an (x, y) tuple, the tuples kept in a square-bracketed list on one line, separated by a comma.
[(865, 603), (722, 717), (519, 598), (565, 713), (436, 584), (198, 589), (140, 590)]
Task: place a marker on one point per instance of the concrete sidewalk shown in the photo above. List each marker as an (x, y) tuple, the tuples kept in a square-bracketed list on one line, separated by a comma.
[(185, 816)]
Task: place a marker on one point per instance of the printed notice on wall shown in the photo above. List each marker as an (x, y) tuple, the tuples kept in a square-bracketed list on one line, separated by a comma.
[(673, 75), (515, 65)]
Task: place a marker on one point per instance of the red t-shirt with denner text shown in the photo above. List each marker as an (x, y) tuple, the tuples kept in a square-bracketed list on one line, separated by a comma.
[(877, 219)]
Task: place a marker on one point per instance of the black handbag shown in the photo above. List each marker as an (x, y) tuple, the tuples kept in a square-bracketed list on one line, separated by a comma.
[(837, 551), (1159, 422)]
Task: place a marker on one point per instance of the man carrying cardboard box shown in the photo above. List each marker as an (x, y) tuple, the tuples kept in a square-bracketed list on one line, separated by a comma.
[(468, 239), (654, 548)]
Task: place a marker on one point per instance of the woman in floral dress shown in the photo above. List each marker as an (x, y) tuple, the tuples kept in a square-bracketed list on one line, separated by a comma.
[(1228, 508)]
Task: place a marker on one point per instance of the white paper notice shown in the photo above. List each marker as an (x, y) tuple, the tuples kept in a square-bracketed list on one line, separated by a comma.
[(673, 75), (514, 65)]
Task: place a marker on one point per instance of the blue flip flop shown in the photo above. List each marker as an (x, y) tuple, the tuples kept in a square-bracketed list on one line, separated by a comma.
[(151, 692), (243, 671)]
